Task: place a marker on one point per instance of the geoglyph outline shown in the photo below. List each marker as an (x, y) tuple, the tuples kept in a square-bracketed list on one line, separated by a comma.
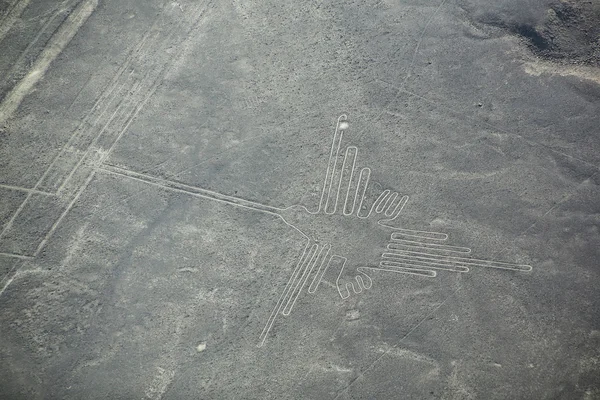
[(414, 252)]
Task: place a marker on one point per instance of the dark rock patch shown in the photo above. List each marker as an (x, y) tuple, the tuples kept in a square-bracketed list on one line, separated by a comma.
[(560, 30)]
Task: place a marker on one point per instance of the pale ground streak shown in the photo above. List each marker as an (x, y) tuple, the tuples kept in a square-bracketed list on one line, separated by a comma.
[(15, 11), (19, 256), (50, 17), (57, 43), (10, 103), (412, 252)]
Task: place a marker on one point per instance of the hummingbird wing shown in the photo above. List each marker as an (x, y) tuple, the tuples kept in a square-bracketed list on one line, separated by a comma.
[(410, 252)]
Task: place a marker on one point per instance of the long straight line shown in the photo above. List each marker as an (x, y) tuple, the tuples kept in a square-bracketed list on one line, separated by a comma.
[(13, 255), (283, 296), (26, 190), (399, 244), (97, 164), (411, 263), (310, 265), (131, 117), (191, 190), (475, 262)]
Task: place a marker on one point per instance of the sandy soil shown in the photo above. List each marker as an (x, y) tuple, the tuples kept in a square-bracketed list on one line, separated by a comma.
[(299, 200)]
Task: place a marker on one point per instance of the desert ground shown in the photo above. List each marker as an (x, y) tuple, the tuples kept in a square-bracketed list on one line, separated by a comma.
[(227, 199)]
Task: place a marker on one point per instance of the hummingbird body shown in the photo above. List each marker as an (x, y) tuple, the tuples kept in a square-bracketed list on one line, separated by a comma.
[(348, 237)]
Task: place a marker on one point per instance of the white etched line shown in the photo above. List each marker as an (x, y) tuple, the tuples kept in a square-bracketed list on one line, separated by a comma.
[(136, 110), (407, 266), (442, 259), (398, 243), (106, 94), (10, 222), (138, 53), (506, 266), (369, 283), (328, 178), (91, 147), (425, 257), (408, 271), (389, 261), (8, 20), (81, 129), (123, 91), (18, 64), (381, 201), (390, 209), (124, 100), (361, 279), (83, 6), (129, 98), (360, 282), (13, 255), (26, 190), (395, 213), (473, 262), (62, 216), (321, 271), (92, 174), (334, 177), (347, 211), (358, 287), (297, 276), (437, 236), (341, 261), (190, 190), (106, 98), (346, 169), (277, 308), (302, 282), (467, 262), (385, 205), (361, 190), (8, 281)]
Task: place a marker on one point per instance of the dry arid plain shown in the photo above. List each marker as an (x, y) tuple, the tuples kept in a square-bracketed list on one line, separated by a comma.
[(286, 199)]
